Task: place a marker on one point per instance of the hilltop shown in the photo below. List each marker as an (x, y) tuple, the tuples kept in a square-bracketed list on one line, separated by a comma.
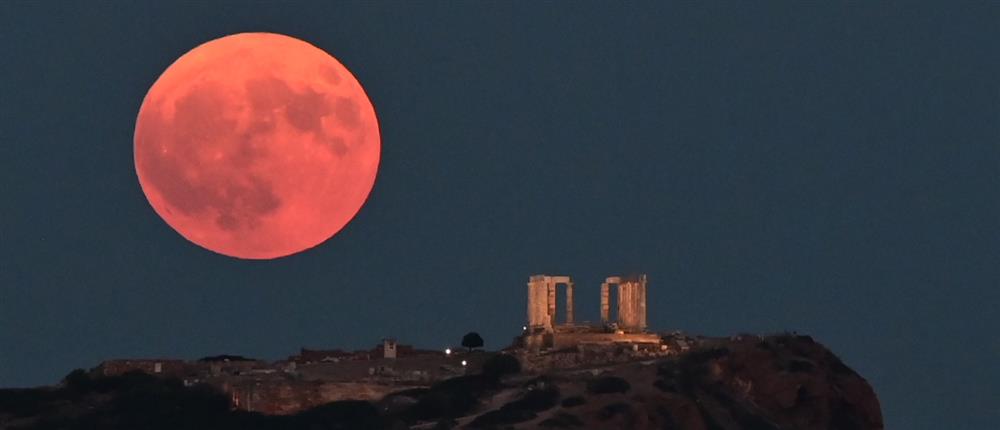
[(743, 382)]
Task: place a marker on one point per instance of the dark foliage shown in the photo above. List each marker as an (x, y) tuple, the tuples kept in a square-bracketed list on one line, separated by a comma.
[(710, 422), (136, 400), (472, 340), (562, 420), (608, 385), (449, 398), (838, 366), (846, 417), (668, 368), (412, 392), (536, 400), (666, 385), (574, 401), (801, 365), (446, 424), (520, 410), (343, 415), (78, 380), (133, 400), (141, 401), (793, 338), (746, 418), (457, 396), (668, 418), (681, 375), (701, 356), (612, 410), (502, 416), (500, 365), (26, 402)]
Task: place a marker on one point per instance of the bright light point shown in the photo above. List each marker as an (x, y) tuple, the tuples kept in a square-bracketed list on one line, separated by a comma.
[(447, 351), (524, 328), (465, 363)]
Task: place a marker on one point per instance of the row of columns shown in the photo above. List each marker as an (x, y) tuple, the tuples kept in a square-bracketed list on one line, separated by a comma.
[(542, 300), (631, 302), (542, 306)]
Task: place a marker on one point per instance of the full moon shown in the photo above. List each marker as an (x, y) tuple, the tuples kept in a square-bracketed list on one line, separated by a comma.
[(257, 145)]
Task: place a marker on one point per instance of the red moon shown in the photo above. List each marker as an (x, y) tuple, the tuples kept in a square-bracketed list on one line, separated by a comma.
[(257, 145)]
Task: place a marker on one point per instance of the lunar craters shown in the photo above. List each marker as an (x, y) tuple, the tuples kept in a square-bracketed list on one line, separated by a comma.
[(204, 131), (199, 164), (305, 110), (257, 145)]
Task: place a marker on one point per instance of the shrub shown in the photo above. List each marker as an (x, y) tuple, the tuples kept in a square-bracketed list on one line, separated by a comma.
[(502, 416), (801, 365), (449, 398), (500, 365), (667, 386), (562, 420), (345, 414), (167, 402), (25, 402), (77, 380), (574, 401), (520, 410), (446, 424), (536, 400), (610, 411), (700, 356), (608, 385)]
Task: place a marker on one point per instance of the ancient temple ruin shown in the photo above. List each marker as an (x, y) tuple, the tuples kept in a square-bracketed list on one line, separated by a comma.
[(627, 326), (542, 300), (631, 302)]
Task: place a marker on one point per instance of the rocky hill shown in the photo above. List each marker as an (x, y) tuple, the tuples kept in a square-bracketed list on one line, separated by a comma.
[(749, 382)]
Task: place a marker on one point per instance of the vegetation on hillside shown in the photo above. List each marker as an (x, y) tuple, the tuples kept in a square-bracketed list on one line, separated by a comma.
[(758, 383)]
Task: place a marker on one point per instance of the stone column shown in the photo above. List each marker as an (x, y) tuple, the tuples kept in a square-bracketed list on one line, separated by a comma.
[(604, 303), (569, 303), (636, 299), (632, 308), (551, 287), (628, 309), (642, 303), (531, 304), (622, 305), (538, 303), (623, 310)]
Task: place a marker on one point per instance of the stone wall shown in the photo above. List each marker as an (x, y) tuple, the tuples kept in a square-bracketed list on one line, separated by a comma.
[(173, 368), (583, 356)]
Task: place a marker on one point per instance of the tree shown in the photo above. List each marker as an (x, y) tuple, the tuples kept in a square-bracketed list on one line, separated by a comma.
[(472, 340)]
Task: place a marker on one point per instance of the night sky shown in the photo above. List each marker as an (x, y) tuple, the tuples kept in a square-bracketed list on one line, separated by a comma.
[(831, 170)]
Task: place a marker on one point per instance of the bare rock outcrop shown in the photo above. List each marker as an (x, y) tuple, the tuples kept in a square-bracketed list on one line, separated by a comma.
[(750, 382)]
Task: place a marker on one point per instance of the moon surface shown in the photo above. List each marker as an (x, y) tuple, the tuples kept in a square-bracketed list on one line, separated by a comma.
[(257, 145)]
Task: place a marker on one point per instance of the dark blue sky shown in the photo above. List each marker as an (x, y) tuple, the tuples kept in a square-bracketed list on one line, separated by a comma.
[(826, 169)]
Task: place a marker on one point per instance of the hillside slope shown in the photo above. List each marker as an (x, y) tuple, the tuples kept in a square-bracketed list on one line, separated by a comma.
[(743, 383), (785, 382)]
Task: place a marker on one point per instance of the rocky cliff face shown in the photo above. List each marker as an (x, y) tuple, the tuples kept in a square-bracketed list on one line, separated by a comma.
[(781, 382), (751, 383), (789, 382)]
